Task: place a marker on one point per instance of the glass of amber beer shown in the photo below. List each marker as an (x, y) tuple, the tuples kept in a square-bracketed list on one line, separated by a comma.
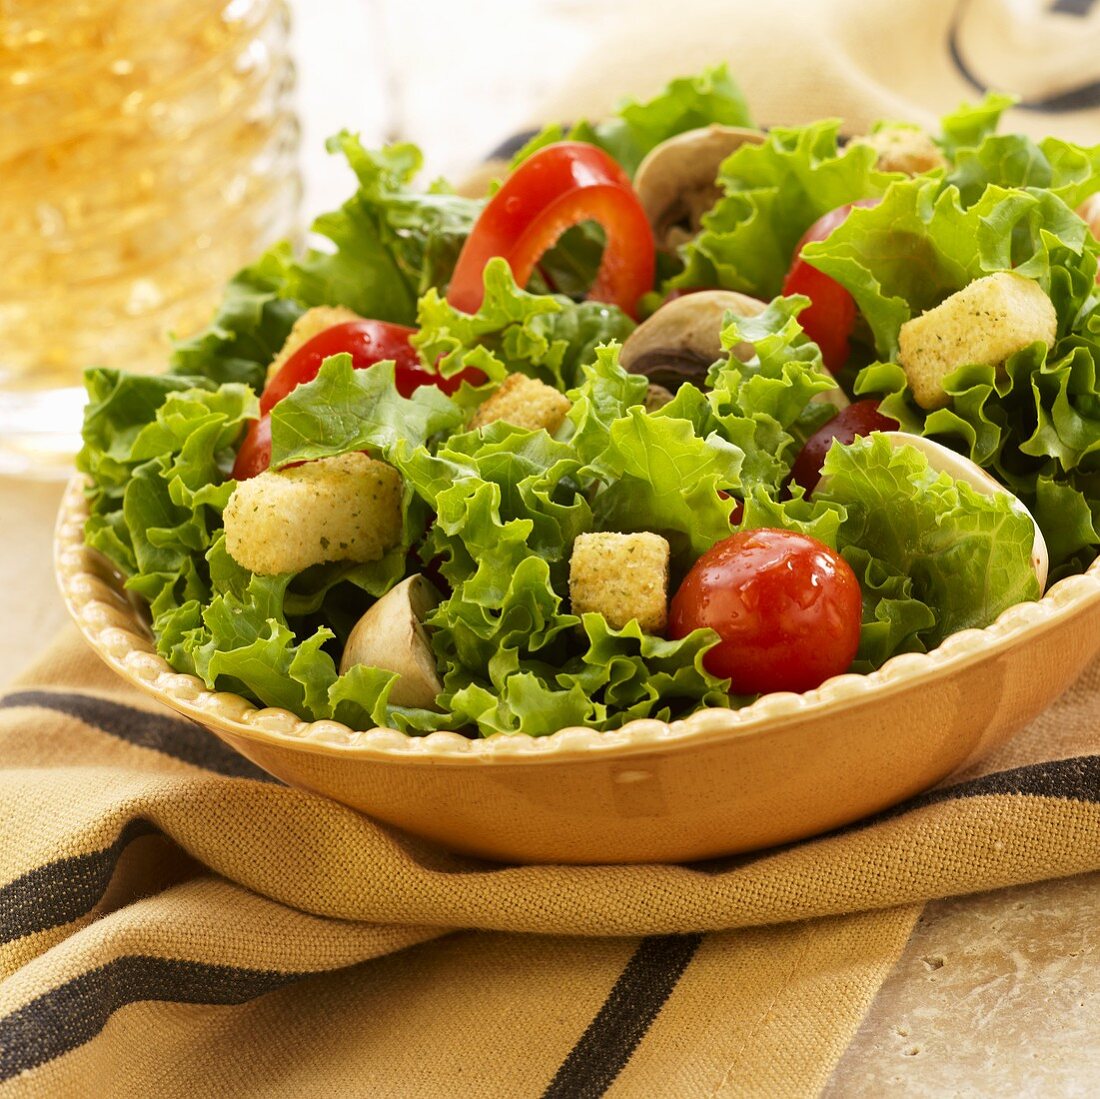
[(148, 148)]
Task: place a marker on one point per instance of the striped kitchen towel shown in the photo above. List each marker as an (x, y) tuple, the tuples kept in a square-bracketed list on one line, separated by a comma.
[(175, 922)]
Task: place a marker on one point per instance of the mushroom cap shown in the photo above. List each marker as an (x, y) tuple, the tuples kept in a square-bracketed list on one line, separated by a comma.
[(676, 182), (391, 636), (684, 337)]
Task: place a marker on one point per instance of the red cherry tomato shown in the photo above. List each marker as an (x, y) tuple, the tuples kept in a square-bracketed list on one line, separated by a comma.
[(556, 188), (860, 418), (368, 342), (787, 608), (738, 512), (255, 453), (829, 318)]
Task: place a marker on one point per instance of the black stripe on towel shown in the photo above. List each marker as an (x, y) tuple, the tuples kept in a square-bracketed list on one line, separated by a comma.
[(182, 740), (74, 1013), (64, 890), (630, 1009), (1073, 779)]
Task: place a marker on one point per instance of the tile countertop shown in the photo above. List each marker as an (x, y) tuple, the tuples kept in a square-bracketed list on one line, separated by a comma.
[(995, 994)]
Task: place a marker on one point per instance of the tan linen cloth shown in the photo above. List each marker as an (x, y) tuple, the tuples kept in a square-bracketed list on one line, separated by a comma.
[(172, 922)]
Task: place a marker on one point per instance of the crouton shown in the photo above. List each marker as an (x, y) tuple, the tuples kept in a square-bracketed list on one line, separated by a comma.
[(903, 149), (334, 509), (311, 323), (622, 577), (984, 322), (524, 402)]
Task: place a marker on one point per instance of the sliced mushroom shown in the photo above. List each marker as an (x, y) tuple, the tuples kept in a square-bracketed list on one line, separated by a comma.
[(683, 338), (944, 460), (676, 182), (391, 636), (656, 396)]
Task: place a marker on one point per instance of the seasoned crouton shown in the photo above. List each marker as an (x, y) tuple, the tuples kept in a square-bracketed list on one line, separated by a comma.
[(311, 323), (903, 149), (524, 402), (622, 576), (334, 509), (984, 322)]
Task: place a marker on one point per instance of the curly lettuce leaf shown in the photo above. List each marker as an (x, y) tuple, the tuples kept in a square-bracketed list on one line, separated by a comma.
[(971, 123), (252, 323), (1032, 422), (388, 244), (546, 336), (345, 409), (636, 128), (919, 244), (1072, 172), (967, 555), (773, 192)]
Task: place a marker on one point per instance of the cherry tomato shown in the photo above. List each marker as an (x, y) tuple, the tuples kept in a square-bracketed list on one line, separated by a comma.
[(368, 342), (829, 318), (255, 453), (738, 512), (556, 188), (787, 608), (859, 418)]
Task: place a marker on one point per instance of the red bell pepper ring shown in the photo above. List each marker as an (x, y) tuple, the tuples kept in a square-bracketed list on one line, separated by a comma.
[(558, 187), (368, 342), (831, 315)]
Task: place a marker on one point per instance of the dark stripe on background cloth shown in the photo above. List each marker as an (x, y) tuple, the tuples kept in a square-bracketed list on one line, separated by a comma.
[(634, 1002), (1083, 97), (60, 892), (182, 740), (74, 1013), (1072, 7), (512, 145)]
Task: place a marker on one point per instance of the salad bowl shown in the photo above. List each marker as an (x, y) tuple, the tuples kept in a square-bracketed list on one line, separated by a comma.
[(498, 513), (716, 783)]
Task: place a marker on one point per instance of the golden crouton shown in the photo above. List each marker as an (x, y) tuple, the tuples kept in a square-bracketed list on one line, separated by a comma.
[(525, 402), (984, 322), (334, 509), (311, 323), (903, 149), (621, 576)]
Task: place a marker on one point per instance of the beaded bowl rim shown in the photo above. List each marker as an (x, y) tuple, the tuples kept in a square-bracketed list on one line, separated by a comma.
[(114, 625)]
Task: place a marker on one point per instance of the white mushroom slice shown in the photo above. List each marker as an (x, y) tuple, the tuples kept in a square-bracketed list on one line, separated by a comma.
[(676, 182), (955, 465), (391, 636), (681, 340)]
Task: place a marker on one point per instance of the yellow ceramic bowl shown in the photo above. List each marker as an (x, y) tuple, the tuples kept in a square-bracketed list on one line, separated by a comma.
[(716, 783)]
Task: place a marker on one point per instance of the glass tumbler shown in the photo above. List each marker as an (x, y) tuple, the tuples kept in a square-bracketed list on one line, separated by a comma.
[(148, 149)]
